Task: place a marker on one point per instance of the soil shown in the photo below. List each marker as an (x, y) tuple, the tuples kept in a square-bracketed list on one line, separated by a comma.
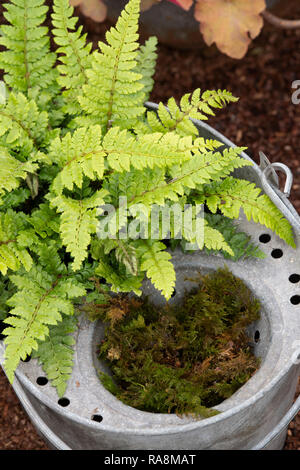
[(264, 119)]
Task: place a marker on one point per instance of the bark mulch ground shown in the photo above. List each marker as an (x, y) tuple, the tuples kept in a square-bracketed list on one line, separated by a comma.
[(264, 119)]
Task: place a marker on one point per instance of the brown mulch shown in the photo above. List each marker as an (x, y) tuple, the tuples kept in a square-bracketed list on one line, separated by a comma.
[(264, 119)]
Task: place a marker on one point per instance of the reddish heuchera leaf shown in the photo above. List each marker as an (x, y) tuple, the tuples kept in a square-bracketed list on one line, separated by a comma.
[(94, 9), (185, 4), (231, 24)]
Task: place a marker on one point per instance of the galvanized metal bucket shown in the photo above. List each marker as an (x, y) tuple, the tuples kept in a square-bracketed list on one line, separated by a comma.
[(255, 417)]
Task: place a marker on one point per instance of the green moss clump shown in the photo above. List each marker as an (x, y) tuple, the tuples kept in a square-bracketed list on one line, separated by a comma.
[(184, 359)]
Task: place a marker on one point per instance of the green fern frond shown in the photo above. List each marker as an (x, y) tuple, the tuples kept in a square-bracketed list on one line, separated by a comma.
[(133, 183), (74, 54), (114, 91), (55, 353), (174, 118), (231, 195), (27, 62), (78, 221), (163, 150), (155, 261), (49, 296), (191, 174), (77, 155), (146, 62)]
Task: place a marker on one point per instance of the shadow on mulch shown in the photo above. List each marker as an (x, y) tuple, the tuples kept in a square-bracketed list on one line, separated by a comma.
[(264, 119)]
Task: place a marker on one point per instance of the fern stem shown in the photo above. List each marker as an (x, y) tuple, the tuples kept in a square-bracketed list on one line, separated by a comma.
[(7, 242), (27, 73), (36, 310)]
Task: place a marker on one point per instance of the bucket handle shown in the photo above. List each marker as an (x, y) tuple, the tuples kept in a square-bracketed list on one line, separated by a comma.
[(270, 184)]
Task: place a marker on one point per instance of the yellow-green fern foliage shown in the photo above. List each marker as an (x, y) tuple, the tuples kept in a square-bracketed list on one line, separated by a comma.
[(75, 136)]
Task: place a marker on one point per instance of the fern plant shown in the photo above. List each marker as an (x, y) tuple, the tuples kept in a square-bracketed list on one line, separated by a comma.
[(76, 137)]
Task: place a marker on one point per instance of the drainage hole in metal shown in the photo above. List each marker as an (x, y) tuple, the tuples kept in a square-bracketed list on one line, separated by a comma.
[(295, 299), (27, 359), (265, 238), (42, 381), (63, 402), (97, 418), (2, 327), (257, 336), (277, 253), (294, 278)]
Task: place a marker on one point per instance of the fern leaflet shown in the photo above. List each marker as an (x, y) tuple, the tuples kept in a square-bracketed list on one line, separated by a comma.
[(78, 221), (155, 261), (55, 353)]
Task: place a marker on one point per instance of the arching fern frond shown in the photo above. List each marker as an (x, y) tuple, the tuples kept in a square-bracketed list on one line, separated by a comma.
[(27, 62), (114, 91), (146, 62), (49, 296), (191, 174), (74, 53), (147, 151), (192, 106), (231, 195)]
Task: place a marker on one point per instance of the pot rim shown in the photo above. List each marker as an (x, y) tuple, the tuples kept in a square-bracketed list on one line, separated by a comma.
[(173, 429)]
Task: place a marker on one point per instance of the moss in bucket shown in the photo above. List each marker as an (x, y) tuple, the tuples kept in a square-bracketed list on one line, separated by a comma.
[(183, 359)]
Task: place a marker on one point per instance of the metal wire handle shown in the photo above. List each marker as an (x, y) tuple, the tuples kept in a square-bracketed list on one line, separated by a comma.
[(270, 184)]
